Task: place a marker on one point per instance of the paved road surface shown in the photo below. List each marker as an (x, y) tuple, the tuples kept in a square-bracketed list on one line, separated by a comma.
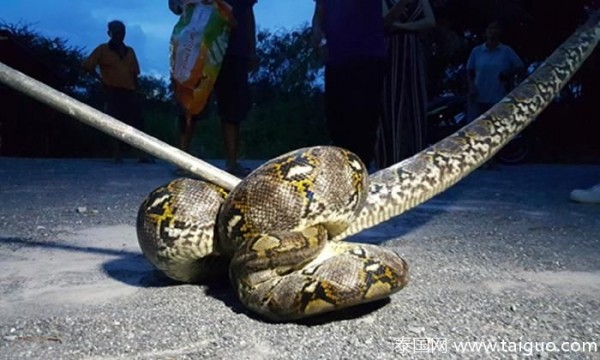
[(503, 257)]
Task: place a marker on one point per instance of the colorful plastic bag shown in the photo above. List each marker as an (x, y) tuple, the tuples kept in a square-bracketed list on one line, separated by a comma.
[(198, 44)]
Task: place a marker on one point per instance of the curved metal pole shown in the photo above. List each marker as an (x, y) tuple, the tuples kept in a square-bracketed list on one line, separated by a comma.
[(115, 128)]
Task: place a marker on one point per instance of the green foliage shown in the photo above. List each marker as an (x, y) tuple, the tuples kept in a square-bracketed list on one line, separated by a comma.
[(160, 121), (207, 143), (288, 64), (283, 125), (271, 129), (287, 109), (160, 118), (155, 89), (63, 59), (287, 112)]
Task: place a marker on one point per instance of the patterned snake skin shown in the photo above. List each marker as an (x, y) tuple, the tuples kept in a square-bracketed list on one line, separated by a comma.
[(279, 231)]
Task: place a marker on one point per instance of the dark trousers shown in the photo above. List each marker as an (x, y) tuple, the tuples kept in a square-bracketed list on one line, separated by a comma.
[(352, 103), (123, 105)]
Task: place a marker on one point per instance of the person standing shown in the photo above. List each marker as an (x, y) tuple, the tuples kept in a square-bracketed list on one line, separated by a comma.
[(232, 90), (350, 35), (491, 69), (119, 71), (402, 129)]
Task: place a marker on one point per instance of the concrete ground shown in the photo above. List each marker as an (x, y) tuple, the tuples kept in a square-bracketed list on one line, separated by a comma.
[(501, 259)]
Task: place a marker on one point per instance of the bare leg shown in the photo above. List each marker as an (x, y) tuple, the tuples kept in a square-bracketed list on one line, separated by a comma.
[(188, 134)]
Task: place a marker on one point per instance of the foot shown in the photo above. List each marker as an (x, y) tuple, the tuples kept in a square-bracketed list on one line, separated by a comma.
[(590, 196)]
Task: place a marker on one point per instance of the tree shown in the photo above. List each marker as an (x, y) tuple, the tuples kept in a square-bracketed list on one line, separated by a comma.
[(65, 61), (288, 109), (287, 89), (288, 63)]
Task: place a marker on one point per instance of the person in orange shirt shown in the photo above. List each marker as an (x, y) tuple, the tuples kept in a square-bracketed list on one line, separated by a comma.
[(119, 70)]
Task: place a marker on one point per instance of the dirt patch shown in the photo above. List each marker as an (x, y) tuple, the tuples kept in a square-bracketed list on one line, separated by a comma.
[(564, 283), (89, 267)]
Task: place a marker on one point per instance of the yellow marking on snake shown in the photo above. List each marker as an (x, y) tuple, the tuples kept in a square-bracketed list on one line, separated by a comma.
[(307, 270), (299, 170), (266, 243), (166, 215)]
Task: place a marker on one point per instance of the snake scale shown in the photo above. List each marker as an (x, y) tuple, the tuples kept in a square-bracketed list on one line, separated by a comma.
[(280, 232)]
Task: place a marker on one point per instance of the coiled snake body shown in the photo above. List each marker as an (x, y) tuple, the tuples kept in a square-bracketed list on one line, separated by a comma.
[(280, 231)]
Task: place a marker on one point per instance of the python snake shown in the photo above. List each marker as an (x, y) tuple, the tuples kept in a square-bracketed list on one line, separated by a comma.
[(279, 232)]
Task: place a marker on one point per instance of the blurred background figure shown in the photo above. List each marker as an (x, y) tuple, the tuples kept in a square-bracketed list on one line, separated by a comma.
[(402, 130), (491, 70), (350, 35), (119, 71)]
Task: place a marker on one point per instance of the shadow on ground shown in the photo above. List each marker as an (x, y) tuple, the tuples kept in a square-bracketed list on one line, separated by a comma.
[(128, 267), (220, 289)]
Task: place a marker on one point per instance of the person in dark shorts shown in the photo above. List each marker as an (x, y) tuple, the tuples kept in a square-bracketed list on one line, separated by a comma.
[(119, 71), (232, 91)]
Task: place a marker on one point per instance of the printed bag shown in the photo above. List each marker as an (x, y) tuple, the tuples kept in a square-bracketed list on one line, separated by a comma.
[(198, 44)]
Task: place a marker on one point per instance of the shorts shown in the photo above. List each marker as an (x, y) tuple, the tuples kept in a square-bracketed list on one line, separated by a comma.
[(232, 90)]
